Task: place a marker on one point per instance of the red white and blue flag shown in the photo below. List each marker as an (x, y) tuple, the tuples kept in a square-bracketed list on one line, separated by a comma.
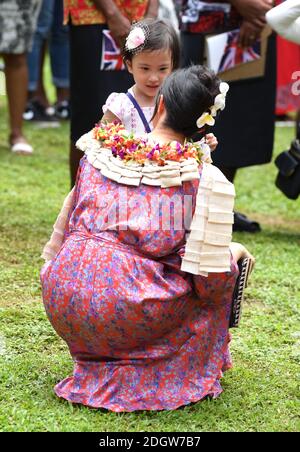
[(235, 55), (111, 55)]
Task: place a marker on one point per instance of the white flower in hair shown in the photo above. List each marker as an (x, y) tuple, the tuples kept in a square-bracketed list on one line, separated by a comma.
[(220, 100), (224, 88), (213, 111), (205, 118), (135, 38), (219, 104)]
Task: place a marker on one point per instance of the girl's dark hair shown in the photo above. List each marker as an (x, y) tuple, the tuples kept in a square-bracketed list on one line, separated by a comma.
[(160, 35), (187, 94)]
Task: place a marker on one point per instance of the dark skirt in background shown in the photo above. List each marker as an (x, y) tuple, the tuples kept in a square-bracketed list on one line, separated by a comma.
[(245, 129)]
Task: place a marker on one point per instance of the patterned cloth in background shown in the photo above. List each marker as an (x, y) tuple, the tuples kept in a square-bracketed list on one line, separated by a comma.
[(17, 25), (208, 16), (84, 12)]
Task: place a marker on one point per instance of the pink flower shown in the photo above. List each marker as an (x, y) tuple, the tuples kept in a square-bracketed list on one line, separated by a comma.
[(135, 38)]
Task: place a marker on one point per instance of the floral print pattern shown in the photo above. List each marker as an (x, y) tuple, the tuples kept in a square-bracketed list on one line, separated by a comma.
[(143, 334), (84, 12)]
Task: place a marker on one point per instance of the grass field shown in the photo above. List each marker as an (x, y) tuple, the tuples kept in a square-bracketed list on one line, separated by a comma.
[(261, 392)]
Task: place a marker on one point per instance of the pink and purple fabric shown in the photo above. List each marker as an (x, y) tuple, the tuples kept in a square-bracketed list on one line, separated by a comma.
[(143, 334)]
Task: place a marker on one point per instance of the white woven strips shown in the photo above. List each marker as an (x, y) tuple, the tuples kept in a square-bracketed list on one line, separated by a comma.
[(167, 182), (223, 188), (151, 175), (188, 176), (111, 175), (214, 259), (216, 216), (190, 267), (213, 238), (190, 168), (171, 174), (207, 247), (130, 181), (221, 203), (148, 181), (197, 235), (87, 143)]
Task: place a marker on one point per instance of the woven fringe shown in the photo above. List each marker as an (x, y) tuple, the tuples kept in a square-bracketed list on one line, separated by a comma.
[(207, 247)]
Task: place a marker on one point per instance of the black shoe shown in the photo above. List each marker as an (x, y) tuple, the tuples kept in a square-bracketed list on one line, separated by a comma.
[(244, 224), (62, 110), (37, 112)]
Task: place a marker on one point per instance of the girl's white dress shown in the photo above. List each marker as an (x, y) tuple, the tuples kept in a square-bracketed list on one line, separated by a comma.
[(122, 107)]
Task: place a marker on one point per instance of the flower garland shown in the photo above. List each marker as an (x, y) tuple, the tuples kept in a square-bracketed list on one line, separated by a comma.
[(141, 150)]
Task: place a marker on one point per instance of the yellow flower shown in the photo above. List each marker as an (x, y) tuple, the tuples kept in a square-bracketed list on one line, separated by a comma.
[(205, 118)]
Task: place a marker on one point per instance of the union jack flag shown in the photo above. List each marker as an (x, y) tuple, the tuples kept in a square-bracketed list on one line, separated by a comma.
[(111, 59), (235, 55)]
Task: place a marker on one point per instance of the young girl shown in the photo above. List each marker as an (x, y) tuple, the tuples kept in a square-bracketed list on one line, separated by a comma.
[(151, 52)]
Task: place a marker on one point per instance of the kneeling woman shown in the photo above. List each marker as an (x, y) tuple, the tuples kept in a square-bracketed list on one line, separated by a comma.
[(140, 286)]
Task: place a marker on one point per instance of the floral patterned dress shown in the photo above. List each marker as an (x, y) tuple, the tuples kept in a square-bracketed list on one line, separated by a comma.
[(143, 334), (17, 25)]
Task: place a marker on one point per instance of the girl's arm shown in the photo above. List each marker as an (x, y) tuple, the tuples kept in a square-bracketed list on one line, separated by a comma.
[(112, 109), (110, 117), (212, 141), (238, 252)]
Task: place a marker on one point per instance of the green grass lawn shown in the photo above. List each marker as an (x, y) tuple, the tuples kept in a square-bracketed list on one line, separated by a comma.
[(261, 392)]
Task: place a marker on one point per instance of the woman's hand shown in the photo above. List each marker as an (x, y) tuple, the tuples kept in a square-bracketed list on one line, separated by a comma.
[(238, 252), (211, 140), (119, 27), (249, 34), (118, 24)]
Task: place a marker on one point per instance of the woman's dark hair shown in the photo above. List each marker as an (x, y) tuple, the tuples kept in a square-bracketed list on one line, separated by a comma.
[(187, 94), (160, 35)]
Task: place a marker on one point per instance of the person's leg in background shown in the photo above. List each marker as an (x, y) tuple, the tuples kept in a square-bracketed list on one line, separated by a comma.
[(59, 57), (37, 96), (16, 73)]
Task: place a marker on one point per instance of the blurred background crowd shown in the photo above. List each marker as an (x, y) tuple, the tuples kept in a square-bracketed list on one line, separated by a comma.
[(69, 33)]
